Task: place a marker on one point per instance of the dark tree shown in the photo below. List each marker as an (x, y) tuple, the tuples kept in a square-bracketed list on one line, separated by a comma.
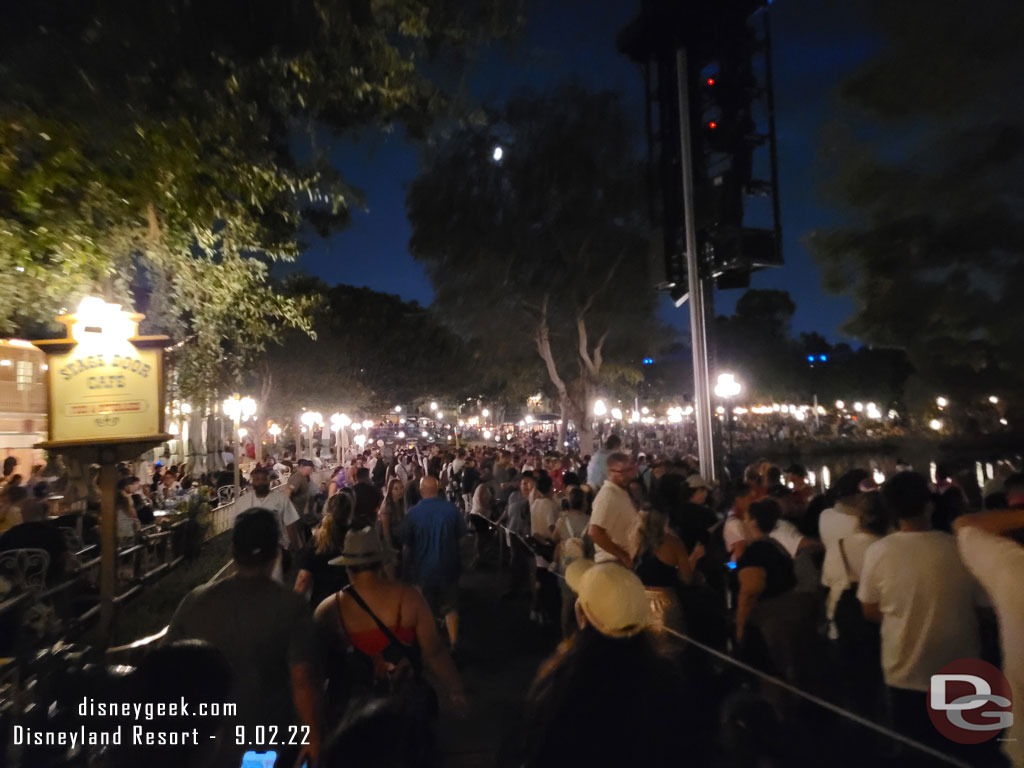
[(543, 247), (371, 350), (754, 343), (929, 168)]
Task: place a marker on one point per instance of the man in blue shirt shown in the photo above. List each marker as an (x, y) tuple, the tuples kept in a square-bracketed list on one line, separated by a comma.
[(598, 470), (432, 531)]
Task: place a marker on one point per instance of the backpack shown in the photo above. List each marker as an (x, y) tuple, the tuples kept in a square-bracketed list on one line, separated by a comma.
[(573, 548)]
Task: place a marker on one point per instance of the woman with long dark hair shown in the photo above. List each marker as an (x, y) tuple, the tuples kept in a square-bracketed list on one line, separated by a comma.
[(316, 576), (664, 565)]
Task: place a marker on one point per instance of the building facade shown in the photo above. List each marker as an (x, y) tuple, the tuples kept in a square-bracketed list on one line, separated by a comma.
[(22, 403)]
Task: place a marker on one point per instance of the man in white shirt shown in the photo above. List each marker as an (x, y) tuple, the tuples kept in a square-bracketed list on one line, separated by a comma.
[(915, 585), (544, 512), (837, 523), (402, 472), (167, 492), (259, 495), (458, 462), (615, 521), (734, 532), (997, 561)]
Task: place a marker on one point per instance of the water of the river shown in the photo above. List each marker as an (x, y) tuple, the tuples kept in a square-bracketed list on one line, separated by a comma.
[(824, 469)]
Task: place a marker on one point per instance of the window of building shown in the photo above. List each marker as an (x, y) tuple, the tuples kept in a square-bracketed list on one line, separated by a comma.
[(24, 375)]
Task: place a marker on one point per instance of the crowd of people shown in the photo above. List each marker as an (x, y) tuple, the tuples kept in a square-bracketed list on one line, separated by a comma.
[(23, 498), (862, 594), (343, 611)]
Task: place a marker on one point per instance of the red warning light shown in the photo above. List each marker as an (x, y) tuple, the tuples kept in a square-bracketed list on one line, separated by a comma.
[(711, 81), (712, 125)]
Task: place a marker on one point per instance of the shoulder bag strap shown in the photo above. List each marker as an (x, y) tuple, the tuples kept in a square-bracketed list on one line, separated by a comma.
[(341, 617), (383, 627)]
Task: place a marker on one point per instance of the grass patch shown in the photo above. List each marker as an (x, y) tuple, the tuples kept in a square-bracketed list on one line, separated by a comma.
[(151, 610)]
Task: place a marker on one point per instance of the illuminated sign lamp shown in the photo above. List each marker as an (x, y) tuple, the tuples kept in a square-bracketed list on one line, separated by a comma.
[(104, 381)]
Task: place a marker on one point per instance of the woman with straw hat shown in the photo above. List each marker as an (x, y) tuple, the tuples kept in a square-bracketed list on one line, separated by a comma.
[(380, 633)]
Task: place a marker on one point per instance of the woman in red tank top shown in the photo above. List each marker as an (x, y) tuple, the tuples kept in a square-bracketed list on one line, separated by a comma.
[(353, 621)]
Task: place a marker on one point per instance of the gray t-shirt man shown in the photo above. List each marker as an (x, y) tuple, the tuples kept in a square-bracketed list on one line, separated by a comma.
[(265, 630), (298, 485)]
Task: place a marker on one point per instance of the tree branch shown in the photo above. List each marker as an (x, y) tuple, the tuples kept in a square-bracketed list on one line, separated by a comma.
[(543, 342), (609, 276), (598, 353), (581, 332)]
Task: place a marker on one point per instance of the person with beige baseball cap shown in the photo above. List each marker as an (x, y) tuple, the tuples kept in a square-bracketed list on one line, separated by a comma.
[(610, 598), (608, 695)]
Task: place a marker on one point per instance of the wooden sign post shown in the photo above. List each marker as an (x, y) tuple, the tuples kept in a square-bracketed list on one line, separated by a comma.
[(105, 394)]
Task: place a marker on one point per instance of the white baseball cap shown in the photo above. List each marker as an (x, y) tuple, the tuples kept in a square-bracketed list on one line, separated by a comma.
[(611, 597)]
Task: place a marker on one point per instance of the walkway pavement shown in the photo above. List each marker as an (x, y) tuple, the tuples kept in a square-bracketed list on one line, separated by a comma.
[(502, 651)]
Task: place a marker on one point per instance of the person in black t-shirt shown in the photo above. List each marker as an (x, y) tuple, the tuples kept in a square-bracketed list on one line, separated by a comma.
[(765, 570), (380, 472), (368, 498), (682, 499), (776, 623), (412, 488), (470, 477)]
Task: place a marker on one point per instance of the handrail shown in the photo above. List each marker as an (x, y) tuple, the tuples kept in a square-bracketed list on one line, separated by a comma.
[(216, 577), (149, 639)]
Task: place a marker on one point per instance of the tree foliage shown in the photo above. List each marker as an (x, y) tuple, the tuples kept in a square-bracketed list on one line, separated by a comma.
[(545, 249), (372, 350), (931, 176), (164, 154), (756, 344)]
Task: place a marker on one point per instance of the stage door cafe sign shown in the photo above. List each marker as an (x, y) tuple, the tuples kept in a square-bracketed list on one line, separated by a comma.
[(104, 382)]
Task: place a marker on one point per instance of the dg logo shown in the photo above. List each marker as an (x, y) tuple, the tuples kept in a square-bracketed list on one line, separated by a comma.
[(969, 701)]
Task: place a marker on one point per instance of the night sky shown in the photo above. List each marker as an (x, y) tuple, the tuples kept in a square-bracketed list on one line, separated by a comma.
[(575, 40)]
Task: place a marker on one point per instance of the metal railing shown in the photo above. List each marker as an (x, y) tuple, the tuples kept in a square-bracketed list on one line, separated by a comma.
[(843, 718)]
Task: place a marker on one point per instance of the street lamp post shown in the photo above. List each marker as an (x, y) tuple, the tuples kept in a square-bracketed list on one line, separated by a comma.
[(339, 423), (600, 410), (726, 389), (311, 419), (239, 409)]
